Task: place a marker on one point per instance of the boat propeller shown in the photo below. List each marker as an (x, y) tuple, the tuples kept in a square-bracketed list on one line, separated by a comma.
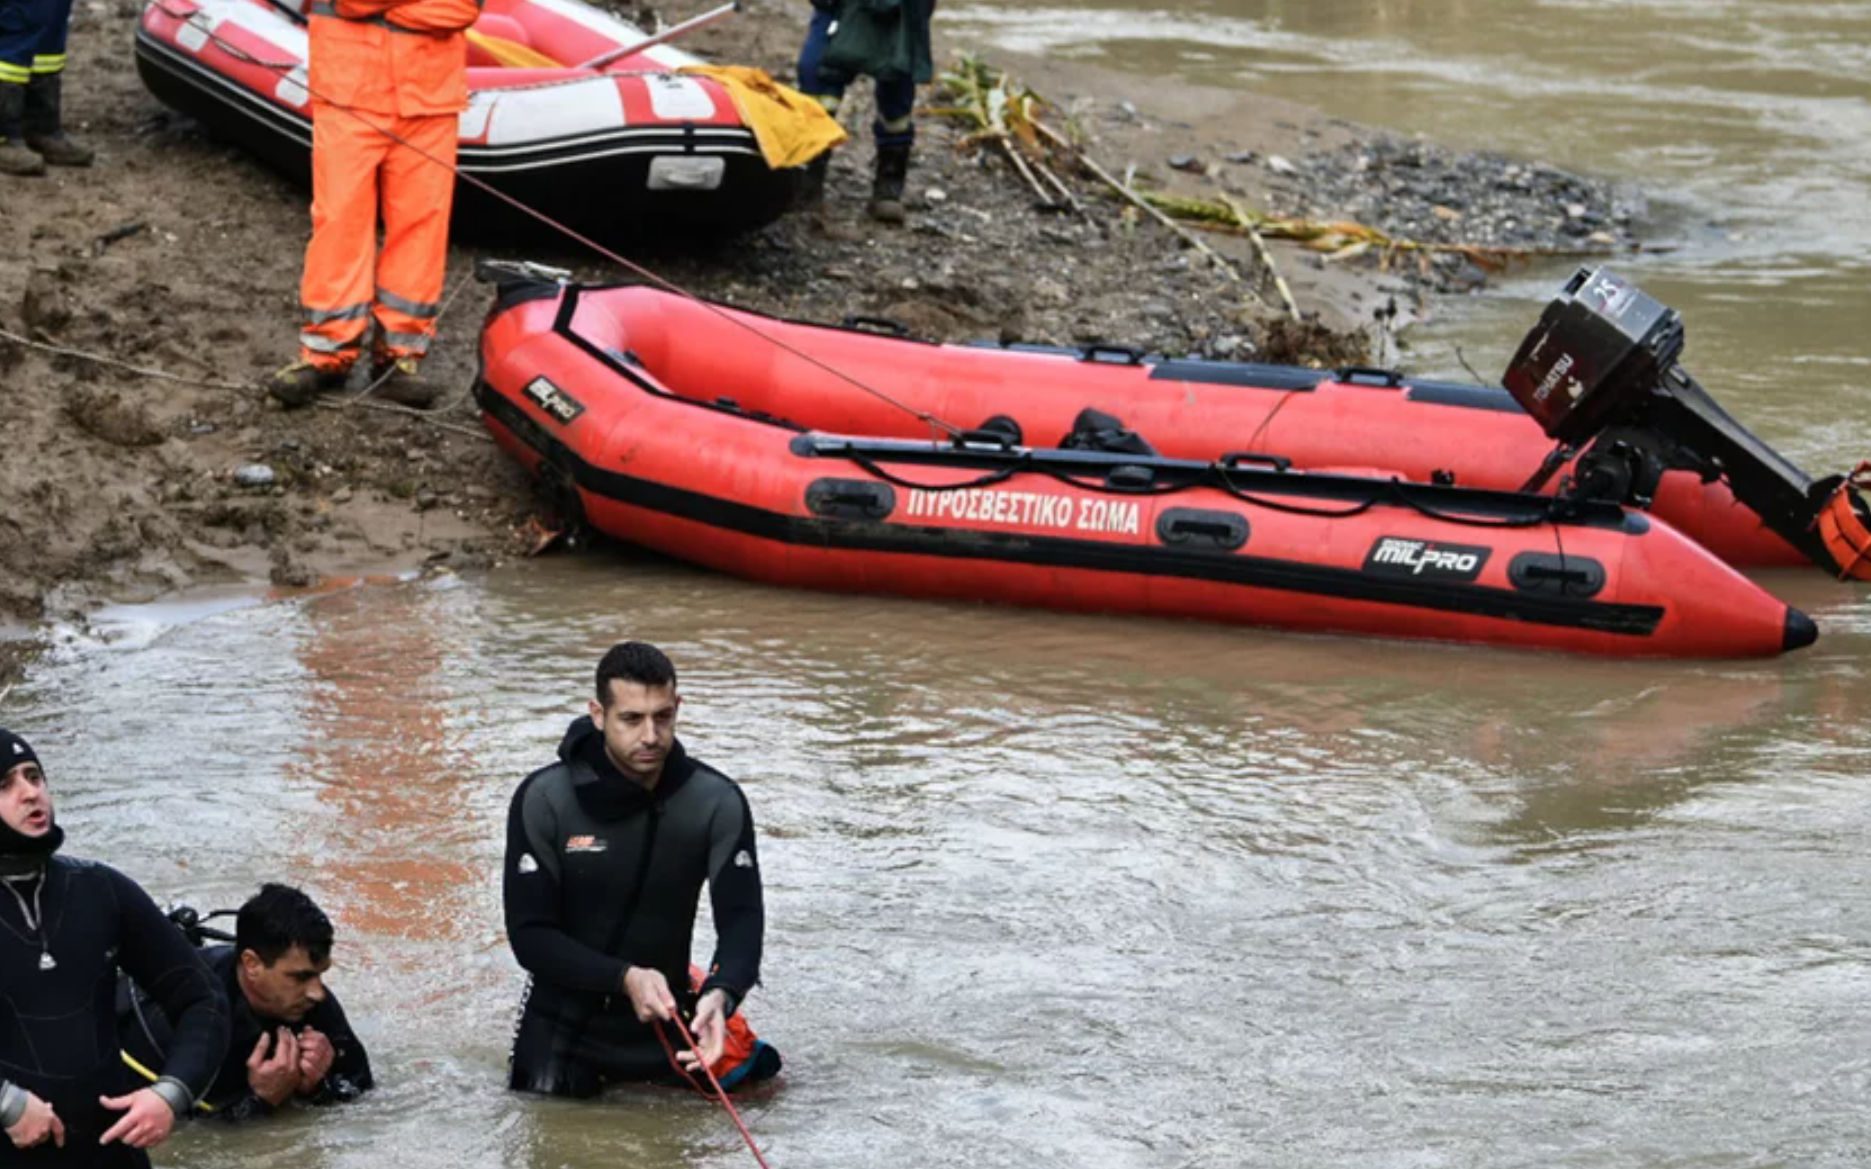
[(1600, 374)]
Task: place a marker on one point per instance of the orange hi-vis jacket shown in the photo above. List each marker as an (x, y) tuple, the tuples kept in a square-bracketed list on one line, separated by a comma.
[(388, 81), (401, 57)]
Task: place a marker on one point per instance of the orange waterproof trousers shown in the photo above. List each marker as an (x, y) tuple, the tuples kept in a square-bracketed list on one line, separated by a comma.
[(358, 170)]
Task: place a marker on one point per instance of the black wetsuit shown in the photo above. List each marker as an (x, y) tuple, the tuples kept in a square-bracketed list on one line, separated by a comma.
[(58, 1028), (602, 875), (146, 1034)]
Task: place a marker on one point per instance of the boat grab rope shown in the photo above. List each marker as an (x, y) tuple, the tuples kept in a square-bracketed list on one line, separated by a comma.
[(1227, 485), (987, 480), (288, 67), (1550, 513), (1393, 489), (719, 1093)]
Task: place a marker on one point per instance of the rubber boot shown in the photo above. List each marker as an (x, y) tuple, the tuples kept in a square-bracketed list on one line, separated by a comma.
[(809, 195), (44, 125), (401, 381), (15, 158), (893, 168), (299, 384)]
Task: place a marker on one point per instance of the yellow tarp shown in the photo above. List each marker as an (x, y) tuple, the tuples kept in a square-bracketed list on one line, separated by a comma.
[(511, 54), (792, 129)]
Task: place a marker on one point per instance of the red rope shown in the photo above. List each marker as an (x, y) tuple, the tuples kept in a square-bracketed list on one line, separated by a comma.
[(719, 1092)]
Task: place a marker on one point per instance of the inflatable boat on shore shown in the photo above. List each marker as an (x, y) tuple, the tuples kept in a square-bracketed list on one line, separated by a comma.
[(667, 423), (633, 146), (1425, 431)]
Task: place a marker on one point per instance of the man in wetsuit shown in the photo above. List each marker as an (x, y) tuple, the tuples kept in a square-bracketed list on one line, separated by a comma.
[(289, 1038), (607, 850), (66, 928)]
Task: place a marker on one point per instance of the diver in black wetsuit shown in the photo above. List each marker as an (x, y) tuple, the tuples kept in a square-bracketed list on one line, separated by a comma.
[(66, 927), (288, 1036), (607, 851)]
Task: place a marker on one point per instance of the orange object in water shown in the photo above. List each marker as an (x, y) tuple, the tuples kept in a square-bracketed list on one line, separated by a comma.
[(739, 1043), (390, 81), (1846, 528)]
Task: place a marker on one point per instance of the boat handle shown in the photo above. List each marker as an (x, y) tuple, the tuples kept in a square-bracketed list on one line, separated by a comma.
[(1215, 529), (1234, 459), (850, 499), (1545, 572), (1364, 375), (869, 324), (1111, 354)]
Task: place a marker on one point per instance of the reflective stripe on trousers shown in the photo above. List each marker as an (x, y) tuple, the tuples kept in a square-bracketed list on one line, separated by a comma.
[(404, 344), (32, 38), (314, 346), (402, 304)]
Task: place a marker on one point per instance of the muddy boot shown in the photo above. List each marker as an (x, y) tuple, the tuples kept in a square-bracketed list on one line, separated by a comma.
[(44, 127), (300, 384), (893, 168), (15, 158), (810, 199), (401, 382)]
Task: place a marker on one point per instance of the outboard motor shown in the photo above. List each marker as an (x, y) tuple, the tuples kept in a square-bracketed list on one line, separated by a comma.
[(1601, 368)]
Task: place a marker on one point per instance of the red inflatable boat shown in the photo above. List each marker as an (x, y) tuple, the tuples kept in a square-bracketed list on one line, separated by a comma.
[(612, 152), (667, 424), (1424, 431)]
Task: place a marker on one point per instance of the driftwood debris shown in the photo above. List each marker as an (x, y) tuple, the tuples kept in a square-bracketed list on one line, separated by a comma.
[(1012, 117)]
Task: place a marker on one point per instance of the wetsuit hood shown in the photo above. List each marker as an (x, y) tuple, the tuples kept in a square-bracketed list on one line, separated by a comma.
[(603, 790), (21, 854)]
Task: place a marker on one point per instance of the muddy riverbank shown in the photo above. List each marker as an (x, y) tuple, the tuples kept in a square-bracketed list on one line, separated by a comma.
[(176, 261)]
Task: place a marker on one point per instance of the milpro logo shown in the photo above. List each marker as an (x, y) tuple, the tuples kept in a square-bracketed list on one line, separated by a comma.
[(1402, 556), (554, 401)]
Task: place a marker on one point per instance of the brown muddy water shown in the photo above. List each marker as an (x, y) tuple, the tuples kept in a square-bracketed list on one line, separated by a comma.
[(1059, 891)]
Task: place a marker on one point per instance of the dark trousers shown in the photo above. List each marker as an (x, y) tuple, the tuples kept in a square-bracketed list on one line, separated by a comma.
[(895, 99), (574, 1045), (32, 38), (570, 1044)]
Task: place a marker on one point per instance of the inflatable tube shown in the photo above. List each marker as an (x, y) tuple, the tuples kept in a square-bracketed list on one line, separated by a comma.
[(612, 153), (670, 428), (1427, 431)]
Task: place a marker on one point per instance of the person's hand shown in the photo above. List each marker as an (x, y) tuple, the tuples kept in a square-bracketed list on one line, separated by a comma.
[(710, 1029), (146, 1122), (37, 1124), (274, 1078), (649, 994), (315, 1056)]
